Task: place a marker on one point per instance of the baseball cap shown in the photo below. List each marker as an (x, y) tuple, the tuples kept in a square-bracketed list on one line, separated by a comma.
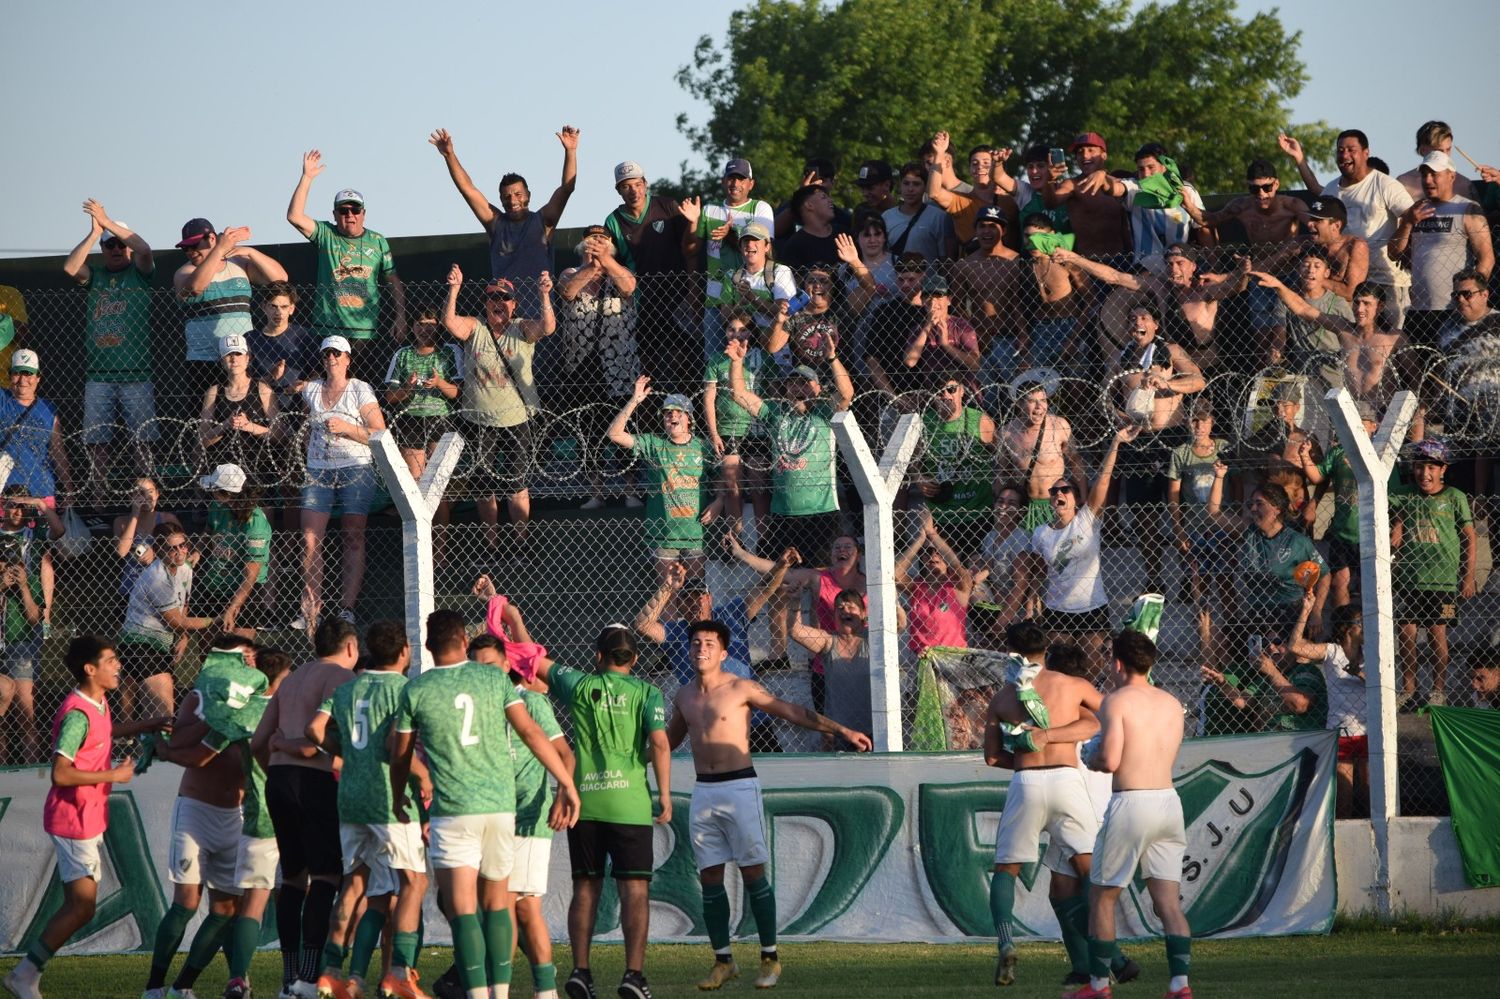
[(737, 168), (1432, 450), (26, 361), (109, 235), (348, 196), (1328, 207), (803, 371), (1437, 161), (193, 232), (234, 343), (1180, 250), (1088, 139), (503, 286), (990, 213), (229, 478), (756, 230), (872, 172), (629, 170), (335, 342), (679, 402), (934, 284)]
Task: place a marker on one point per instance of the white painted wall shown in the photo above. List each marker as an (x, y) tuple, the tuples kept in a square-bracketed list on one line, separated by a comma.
[(1426, 874)]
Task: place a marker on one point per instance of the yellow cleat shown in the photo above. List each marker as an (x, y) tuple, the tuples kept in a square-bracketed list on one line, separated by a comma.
[(721, 972), (770, 973)]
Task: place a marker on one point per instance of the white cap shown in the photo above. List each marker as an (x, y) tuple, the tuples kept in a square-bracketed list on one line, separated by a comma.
[(26, 360), (1437, 161), (109, 235), (225, 478), (629, 170), (234, 343), (336, 342)]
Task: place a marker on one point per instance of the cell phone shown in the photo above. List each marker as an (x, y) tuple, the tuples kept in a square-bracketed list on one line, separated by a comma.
[(1057, 157)]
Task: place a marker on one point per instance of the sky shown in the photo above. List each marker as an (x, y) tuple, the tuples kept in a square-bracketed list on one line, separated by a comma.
[(167, 110)]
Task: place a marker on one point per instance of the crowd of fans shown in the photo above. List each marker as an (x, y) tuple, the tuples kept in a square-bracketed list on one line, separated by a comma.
[(969, 301)]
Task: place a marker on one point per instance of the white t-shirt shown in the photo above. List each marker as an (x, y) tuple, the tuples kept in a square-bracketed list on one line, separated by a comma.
[(325, 450), (156, 591), (1074, 583), (782, 286), (1346, 693), (1373, 205), (1439, 250)]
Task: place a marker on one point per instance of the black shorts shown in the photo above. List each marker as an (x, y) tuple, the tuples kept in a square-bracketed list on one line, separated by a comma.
[(415, 433), (1425, 608), (254, 614), (1342, 554), (303, 803), (626, 847), (139, 661), (502, 454), (1058, 623), (811, 535), (753, 452)]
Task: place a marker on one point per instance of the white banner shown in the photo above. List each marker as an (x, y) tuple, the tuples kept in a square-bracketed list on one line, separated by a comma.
[(894, 847)]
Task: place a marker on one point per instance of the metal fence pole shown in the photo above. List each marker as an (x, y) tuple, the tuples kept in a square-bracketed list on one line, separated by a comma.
[(417, 501), (1372, 462), (878, 486)]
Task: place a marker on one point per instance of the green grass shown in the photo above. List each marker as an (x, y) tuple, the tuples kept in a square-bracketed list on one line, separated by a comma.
[(1365, 963)]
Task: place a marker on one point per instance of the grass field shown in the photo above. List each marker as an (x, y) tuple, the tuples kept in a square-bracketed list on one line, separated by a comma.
[(1365, 963)]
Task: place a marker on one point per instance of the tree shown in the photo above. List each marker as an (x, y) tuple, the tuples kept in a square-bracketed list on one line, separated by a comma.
[(868, 79)]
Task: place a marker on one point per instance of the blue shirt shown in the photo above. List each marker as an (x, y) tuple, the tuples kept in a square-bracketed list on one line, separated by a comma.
[(28, 440)]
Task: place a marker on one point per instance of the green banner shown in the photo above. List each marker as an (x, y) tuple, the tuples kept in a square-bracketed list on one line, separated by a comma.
[(1468, 745)]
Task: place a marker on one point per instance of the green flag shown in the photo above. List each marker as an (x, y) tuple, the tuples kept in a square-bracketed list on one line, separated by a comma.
[(1468, 744), (1162, 190)]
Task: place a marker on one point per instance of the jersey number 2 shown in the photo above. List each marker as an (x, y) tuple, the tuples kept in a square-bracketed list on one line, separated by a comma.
[(466, 736)]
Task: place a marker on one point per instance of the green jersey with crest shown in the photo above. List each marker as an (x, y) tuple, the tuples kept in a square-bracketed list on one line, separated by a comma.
[(362, 711), (533, 787), (613, 716)]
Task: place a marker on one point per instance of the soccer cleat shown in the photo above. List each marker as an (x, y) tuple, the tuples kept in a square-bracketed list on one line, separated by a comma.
[(332, 987), (1076, 978), (1005, 966), (354, 988), (402, 986), (237, 988), (21, 984), (770, 973), (580, 985), (633, 986), (447, 985), (175, 993), (1128, 971), (1186, 992), (300, 989), (1087, 991), (160, 993), (721, 972)]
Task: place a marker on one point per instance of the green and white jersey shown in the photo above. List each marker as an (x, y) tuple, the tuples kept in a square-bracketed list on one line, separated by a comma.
[(407, 361), (1267, 564), (1430, 556), (804, 472), (533, 786), (362, 711), (235, 544), (956, 454), (674, 497), (613, 716), (459, 711), (1345, 522), (722, 257), (733, 419), (229, 692), (257, 817)]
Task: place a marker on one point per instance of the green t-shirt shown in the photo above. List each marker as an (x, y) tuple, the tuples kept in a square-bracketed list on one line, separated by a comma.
[(533, 786), (424, 401), (117, 340), (1308, 678), (27, 545), (1266, 568), (362, 711), (674, 496), (804, 470), (1336, 468), (459, 711), (953, 453), (1429, 556), (349, 276), (257, 817), (235, 544), (613, 715), (734, 420)]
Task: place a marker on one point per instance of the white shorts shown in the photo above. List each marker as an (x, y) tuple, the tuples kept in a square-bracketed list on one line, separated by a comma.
[(1054, 800), (726, 823), (205, 845), (1141, 829), (484, 842), (77, 858), (533, 857), (393, 845), (255, 864)]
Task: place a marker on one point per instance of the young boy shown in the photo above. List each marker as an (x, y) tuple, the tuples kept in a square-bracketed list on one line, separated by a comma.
[(77, 808), (420, 386), (737, 438)]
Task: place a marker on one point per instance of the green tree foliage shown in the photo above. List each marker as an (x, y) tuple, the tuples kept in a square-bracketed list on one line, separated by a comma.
[(869, 79)]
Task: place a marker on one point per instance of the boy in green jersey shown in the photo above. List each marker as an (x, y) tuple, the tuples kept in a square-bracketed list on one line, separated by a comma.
[(619, 722), (464, 712)]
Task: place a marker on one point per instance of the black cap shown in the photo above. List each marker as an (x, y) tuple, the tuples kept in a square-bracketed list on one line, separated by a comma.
[(194, 231), (1328, 207), (872, 172), (990, 213)]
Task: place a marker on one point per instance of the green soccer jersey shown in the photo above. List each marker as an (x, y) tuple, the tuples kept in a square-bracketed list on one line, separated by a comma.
[(804, 477), (1430, 555), (1267, 566), (234, 545), (533, 787), (362, 711), (1335, 467), (117, 340), (955, 454), (349, 276), (228, 698), (459, 712), (734, 420), (674, 497), (1308, 678), (408, 361), (257, 817), (613, 716), (27, 547)]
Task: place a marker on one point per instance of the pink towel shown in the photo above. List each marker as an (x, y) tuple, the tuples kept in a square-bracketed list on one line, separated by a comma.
[(523, 656)]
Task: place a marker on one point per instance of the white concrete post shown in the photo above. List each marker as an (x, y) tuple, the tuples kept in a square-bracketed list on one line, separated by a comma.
[(878, 485), (7, 463), (1372, 462), (417, 501)]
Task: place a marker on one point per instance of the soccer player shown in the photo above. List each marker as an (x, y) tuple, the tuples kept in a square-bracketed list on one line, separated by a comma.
[(618, 723), (1140, 733), (528, 877), (463, 711), (382, 850), (77, 808), (1033, 725), (726, 823)]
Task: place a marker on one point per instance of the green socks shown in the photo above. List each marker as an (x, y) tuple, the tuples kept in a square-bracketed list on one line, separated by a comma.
[(1073, 920), (333, 955), (244, 938), (366, 939), (206, 943), (1002, 904), (1179, 956), (468, 950), (38, 954), (1100, 951), (544, 977), (404, 947), (716, 917), (763, 905), (169, 934), (499, 941)]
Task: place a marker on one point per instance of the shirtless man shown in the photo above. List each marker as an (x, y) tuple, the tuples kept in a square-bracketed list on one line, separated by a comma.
[(1095, 210), (1038, 448), (302, 797), (990, 283), (1046, 792), (1140, 732), (1189, 301), (726, 823), (1348, 254), (1158, 367)]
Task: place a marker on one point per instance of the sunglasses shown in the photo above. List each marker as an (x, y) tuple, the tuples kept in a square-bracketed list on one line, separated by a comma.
[(499, 296), (331, 352), (179, 547), (951, 388), (1263, 188), (349, 210), (1059, 490), (114, 244), (1464, 296)]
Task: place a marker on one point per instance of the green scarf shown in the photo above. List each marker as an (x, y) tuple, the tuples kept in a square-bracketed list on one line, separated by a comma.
[(1162, 190), (1049, 241)]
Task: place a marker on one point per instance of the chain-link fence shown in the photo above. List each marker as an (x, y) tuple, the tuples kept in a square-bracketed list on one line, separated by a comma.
[(1019, 390)]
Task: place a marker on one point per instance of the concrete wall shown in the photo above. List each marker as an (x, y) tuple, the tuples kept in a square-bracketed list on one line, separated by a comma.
[(1427, 876)]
